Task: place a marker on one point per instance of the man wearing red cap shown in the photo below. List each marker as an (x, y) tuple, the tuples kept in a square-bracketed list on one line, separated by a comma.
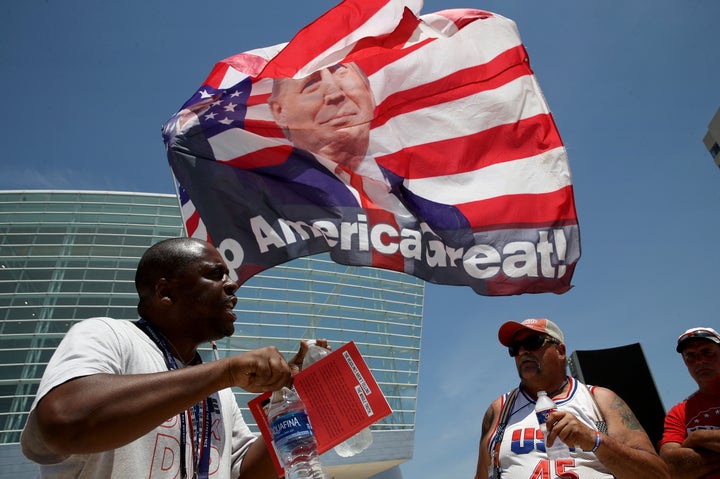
[(691, 440), (605, 438)]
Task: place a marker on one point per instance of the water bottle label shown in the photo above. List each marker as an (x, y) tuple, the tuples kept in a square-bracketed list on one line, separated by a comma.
[(290, 425), (542, 416)]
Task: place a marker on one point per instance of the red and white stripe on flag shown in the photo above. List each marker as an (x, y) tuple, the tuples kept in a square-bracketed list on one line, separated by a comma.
[(459, 116)]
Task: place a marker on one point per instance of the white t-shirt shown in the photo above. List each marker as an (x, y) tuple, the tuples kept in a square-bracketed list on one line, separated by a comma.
[(106, 345)]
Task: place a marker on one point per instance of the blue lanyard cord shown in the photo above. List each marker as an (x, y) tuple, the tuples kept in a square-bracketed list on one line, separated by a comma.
[(201, 446)]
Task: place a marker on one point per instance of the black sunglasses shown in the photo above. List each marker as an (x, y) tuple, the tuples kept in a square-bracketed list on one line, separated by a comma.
[(531, 343)]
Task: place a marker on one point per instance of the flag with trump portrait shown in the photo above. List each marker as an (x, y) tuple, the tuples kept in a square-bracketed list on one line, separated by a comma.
[(419, 143)]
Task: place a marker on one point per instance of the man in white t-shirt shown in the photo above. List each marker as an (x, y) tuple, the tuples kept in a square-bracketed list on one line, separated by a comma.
[(124, 399)]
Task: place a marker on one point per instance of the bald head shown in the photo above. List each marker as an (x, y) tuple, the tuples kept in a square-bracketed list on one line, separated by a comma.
[(165, 260)]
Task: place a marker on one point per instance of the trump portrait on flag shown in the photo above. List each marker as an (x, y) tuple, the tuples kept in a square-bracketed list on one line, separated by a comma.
[(421, 144), (329, 114)]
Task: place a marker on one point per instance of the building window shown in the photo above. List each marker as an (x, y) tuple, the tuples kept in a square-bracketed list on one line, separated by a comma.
[(715, 150)]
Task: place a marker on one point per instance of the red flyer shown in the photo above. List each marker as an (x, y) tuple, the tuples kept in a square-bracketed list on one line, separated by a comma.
[(340, 394)]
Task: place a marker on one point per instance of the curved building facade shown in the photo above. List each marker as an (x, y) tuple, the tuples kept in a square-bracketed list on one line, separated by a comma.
[(70, 255)]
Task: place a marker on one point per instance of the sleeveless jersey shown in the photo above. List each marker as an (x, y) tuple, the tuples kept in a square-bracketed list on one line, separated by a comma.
[(522, 452)]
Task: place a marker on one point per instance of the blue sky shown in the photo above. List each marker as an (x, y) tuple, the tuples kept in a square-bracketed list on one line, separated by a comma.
[(632, 85)]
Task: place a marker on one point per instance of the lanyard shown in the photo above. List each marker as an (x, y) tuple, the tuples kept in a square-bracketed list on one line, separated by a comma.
[(202, 412), (495, 471)]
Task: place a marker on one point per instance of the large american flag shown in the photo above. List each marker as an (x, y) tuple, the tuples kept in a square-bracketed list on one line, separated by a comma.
[(460, 130)]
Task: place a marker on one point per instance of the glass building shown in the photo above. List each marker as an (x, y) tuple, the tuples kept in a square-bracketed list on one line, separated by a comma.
[(70, 255)]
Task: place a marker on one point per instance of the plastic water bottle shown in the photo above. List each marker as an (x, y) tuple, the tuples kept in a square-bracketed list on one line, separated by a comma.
[(293, 436), (360, 441), (543, 407)]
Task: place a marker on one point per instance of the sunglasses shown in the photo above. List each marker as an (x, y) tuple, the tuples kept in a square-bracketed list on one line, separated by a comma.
[(531, 343)]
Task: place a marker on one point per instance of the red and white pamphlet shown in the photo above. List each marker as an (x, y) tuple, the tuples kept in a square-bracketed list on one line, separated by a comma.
[(340, 394)]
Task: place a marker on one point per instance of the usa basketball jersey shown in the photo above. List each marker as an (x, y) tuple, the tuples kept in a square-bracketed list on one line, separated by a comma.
[(522, 452)]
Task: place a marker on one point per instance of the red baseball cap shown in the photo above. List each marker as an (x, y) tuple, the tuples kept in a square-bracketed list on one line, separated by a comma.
[(508, 330)]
